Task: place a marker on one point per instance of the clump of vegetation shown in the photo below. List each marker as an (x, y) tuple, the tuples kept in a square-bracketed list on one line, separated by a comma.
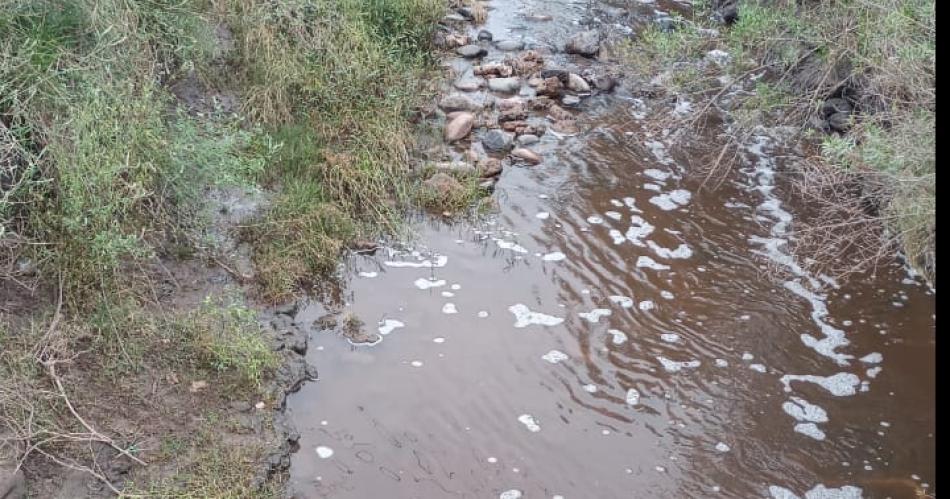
[(876, 57)]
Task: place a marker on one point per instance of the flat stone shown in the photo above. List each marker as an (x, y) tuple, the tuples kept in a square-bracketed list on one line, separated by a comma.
[(526, 155), (471, 51), (484, 36), (571, 100), (585, 43), (469, 85), (509, 45), (507, 85), (458, 102), (528, 139)]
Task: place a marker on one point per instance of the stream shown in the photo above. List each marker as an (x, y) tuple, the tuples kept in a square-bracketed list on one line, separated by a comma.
[(615, 330)]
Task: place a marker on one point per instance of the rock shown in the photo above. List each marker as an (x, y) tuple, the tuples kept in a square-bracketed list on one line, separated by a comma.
[(441, 184), (585, 43), (571, 100), (459, 127), (471, 51), (528, 139), (565, 127), (488, 185), (835, 105), (510, 104), (506, 85), (496, 141), (718, 57), (558, 113), (459, 167), (454, 40), (727, 11), (12, 483), (469, 85), (495, 69), (560, 74), (509, 45), (577, 84), (665, 23), (489, 167), (458, 102), (526, 155), (535, 82), (526, 63), (484, 36), (605, 83), (840, 122), (454, 18), (466, 13), (551, 87), (512, 115)]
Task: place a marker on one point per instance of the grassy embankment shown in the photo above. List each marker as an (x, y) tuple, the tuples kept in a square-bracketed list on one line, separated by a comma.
[(873, 184), (104, 172)]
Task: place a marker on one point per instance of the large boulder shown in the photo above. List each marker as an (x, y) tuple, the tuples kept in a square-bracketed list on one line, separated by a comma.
[(459, 127), (585, 43)]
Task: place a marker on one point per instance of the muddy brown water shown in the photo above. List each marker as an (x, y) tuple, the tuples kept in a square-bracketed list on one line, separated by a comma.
[(616, 331)]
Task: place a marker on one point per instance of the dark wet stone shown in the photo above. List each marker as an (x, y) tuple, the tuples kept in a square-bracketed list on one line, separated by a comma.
[(484, 35), (840, 122), (585, 43), (835, 105), (497, 141)]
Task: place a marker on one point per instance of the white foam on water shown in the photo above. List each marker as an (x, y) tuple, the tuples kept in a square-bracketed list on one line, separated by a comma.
[(649, 263), (416, 363), (722, 363), (368, 275), (492, 459), (818, 492), (509, 245), (659, 151), (681, 252), (594, 315), (615, 215), (670, 337), (616, 202), (633, 397), (594, 219), (438, 339), (667, 295), (839, 385), (646, 305), (638, 230), (673, 366), (757, 367), (617, 236), (510, 494), (423, 283), (440, 261), (833, 338), (447, 294), (482, 314), (555, 356), (389, 325), (456, 287), (873, 372), (653, 187), (873, 358), (590, 388), (449, 308), (555, 256), (810, 429), (542, 215), (524, 317), (656, 174), (672, 200), (324, 452), (802, 410), (722, 447), (622, 301), (617, 337), (747, 356), (528, 421), (631, 204)]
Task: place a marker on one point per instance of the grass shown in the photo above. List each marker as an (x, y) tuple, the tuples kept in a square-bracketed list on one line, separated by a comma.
[(879, 54), (105, 176)]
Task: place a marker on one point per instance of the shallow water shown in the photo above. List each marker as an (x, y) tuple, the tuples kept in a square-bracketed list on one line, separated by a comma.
[(629, 343)]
